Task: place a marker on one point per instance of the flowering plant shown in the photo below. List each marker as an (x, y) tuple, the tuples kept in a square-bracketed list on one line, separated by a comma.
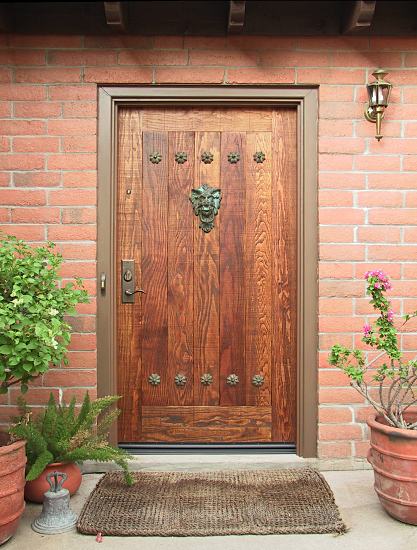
[(395, 379)]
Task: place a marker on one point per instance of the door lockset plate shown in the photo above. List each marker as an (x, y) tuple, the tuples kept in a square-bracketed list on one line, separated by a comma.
[(128, 281)]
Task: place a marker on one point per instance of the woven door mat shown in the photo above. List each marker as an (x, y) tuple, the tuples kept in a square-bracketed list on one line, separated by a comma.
[(183, 504)]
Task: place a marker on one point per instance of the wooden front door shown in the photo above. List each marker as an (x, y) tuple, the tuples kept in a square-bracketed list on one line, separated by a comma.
[(208, 352)]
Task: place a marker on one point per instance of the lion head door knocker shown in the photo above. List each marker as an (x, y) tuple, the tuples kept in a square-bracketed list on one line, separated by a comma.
[(206, 203)]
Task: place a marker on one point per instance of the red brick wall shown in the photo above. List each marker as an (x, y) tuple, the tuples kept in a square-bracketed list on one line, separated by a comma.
[(368, 197)]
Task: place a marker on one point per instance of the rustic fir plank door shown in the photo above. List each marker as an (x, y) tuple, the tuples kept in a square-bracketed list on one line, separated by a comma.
[(208, 352)]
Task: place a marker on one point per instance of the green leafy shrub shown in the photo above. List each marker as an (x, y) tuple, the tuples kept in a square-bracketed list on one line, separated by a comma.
[(59, 434), (33, 331), (391, 390)]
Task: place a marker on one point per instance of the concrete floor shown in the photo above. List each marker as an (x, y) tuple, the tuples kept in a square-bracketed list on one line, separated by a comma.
[(369, 527)]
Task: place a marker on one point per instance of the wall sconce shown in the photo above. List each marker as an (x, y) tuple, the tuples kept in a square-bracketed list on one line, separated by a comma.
[(378, 93)]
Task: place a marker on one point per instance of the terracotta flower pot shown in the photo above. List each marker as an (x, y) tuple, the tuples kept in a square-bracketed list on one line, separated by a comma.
[(12, 483), (393, 456), (34, 490)]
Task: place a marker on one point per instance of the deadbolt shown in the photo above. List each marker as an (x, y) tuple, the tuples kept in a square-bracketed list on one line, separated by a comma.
[(128, 275)]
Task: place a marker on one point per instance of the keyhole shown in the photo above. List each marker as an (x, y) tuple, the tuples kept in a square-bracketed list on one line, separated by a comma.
[(128, 276)]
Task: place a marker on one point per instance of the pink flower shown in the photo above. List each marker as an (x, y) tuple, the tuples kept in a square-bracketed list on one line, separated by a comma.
[(377, 285), (390, 316), (383, 282), (366, 330)]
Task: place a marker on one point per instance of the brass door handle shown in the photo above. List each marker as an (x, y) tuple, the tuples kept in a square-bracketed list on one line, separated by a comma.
[(132, 292)]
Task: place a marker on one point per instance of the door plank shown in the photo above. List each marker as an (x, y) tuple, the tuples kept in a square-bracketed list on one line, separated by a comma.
[(206, 278), (180, 269), (284, 297), (258, 275), (232, 268), (154, 268), (129, 316)]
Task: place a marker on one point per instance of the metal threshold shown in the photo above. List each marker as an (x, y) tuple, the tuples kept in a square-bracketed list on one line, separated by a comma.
[(208, 448)]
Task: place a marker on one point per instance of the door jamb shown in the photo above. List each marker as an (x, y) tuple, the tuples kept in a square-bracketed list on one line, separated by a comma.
[(305, 99)]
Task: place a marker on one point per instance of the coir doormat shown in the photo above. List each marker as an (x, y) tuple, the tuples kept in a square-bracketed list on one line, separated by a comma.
[(183, 504)]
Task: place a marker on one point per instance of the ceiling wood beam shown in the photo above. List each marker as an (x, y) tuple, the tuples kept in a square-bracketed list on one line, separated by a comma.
[(116, 15), (360, 16), (236, 16)]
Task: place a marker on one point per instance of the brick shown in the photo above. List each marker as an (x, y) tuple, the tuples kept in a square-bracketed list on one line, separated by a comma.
[(36, 215), (23, 127), (4, 144), (335, 415), (4, 215), (392, 181), (80, 109), (342, 145), (80, 179), (361, 449), (335, 270), (46, 76), (83, 323), (70, 378), (341, 180), (332, 42), (206, 42), (73, 161), (335, 128), (331, 76), (282, 58), (379, 234), (44, 41), (392, 253), (5, 109), (82, 360), (16, 92), (341, 252), (189, 75), (5, 75), (41, 109), (72, 233), (394, 145), (38, 145), (260, 76), (78, 251), (340, 324), (340, 395), (76, 197), (365, 129), (410, 129), (230, 58), (5, 178), (152, 57), (333, 162), (26, 232), (334, 450), (342, 290), (341, 432), (333, 92), (340, 110), (82, 92), (34, 396), (341, 216), (82, 57), (261, 42), (403, 77), (78, 215), (403, 216), (22, 57), (116, 75), (335, 306), (410, 163), (326, 341), (77, 269), (363, 413), (36, 179), (376, 198), (79, 144), (168, 42), (394, 270), (82, 342), (121, 41), (336, 234), (409, 95), (378, 163), (410, 235), (366, 58), (72, 127), (21, 162), (88, 309), (18, 197)]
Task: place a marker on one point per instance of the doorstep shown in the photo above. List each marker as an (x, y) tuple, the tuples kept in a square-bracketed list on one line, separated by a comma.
[(196, 462)]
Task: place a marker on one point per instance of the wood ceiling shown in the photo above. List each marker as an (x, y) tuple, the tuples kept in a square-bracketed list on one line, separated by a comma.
[(212, 18)]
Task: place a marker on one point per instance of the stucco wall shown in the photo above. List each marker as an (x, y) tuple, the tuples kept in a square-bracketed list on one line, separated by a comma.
[(368, 190)]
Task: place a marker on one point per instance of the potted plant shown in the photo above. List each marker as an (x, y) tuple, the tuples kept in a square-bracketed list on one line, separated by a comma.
[(33, 335), (388, 384), (60, 437)]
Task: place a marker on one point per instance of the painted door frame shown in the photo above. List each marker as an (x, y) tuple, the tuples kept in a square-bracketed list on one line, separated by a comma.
[(305, 99)]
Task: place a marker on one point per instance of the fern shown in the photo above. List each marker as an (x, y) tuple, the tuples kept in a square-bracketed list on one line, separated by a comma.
[(60, 435)]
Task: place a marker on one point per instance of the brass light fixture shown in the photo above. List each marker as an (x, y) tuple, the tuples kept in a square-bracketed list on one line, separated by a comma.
[(378, 94)]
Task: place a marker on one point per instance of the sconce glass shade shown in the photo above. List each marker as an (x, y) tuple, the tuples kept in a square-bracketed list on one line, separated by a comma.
[(379, 91)]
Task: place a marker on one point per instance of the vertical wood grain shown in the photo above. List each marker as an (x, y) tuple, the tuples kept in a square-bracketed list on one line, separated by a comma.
[(129, 316), (258, 274), (206, 278), (232, 268), (284, 296), (154, 268), (180, 269)]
